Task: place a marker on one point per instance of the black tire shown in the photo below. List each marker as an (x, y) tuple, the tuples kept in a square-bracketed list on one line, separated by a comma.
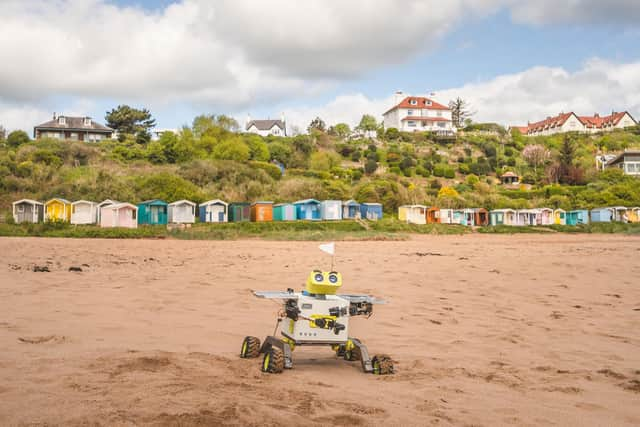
[(250, 347), (353, 355), (340, 351), (382, 365), (273, 361)]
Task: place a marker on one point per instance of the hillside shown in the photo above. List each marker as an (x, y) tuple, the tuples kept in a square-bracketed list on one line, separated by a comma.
[(205, 162)]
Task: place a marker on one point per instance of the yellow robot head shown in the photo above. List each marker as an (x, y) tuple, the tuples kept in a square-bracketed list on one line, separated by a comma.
[(323, 283)]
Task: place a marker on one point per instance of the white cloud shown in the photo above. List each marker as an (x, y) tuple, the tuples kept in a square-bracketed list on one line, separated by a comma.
[(531, 95), (609, 12)]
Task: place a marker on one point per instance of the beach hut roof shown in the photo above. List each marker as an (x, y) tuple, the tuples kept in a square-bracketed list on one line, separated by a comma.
[(182, 202), (544, 209), (559, 210), (240, 203), (503, 210), (414, 206), (619, 208), (30, 201), (350, 202), (283, 204), (214, 202), (58, 199), (121, 205), (153, 202), (262, 202), (372, 204), (307, 201), (107, 202), (83, 202)]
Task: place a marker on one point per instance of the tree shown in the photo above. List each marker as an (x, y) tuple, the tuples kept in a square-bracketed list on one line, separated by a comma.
[(232, 149), (341, 130), (17, 137), (3, 133), (370, 166), (129, 121), (227, 123), (568, 173), (459, 112), (535, 155), (367, 124), (317, 124)]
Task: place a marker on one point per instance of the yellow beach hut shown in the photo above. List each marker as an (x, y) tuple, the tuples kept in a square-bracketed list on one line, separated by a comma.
[(57, 210), (634, 215), (413, 214), (560, 217)]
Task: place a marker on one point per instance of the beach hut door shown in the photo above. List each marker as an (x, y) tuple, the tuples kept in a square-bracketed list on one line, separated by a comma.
[(220, 216)]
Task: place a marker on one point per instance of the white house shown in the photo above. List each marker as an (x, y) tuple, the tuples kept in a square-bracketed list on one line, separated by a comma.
[(628, 161), (267, 127), (182, 212), (84, 212), (214, 211), (571, 122), (418, 114)]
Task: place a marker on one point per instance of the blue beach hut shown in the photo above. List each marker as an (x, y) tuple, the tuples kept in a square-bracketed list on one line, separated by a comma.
[(152, 212), (579, 216), (350, 209), (284, 212), (213, 211), (602, 215), (371, 211), (308, 209)]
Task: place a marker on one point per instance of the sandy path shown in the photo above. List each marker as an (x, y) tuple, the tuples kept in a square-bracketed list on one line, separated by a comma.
[(485, 330)]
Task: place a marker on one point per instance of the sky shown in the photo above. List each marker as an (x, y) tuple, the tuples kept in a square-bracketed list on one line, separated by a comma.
[(513, 61)]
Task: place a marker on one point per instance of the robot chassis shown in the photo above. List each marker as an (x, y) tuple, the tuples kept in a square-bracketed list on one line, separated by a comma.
[(320, 317)]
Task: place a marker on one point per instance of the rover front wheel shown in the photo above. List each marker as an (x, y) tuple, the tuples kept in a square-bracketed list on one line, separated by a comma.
[(250, 347), (353, 354), (382, 365), (273, 361)]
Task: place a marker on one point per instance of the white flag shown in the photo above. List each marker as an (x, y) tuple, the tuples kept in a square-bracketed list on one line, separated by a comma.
[(329, 248)]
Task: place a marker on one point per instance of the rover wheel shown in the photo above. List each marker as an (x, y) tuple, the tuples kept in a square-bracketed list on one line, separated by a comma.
[(340, 352), (250, 347), (353, 355), (273, 361), (382, 365)]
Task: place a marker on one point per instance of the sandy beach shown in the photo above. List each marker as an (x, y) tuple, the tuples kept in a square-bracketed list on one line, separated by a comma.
[(484, 330)]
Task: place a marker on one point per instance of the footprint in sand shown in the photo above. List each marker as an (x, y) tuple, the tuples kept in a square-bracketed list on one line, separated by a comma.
[(55, 339)]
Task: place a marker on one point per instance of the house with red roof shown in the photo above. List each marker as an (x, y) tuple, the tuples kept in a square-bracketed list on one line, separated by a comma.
[(570, 122), (418, 114)]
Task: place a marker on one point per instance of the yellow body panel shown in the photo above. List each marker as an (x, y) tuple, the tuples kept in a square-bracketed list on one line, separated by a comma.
[(402, 214), (328, 285), (57, 210)]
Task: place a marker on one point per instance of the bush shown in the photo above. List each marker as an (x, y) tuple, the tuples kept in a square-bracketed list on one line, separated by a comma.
[(370, 167), (272, 170), (17, 138)]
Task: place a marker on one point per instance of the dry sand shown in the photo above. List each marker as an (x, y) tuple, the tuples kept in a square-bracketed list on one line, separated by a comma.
[(484, 330)]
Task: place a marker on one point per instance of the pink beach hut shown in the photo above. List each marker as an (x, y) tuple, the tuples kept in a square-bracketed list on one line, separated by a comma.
[(119, 215)]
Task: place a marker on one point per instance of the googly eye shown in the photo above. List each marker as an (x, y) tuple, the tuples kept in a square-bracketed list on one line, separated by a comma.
[(318, 277), (333, 278)]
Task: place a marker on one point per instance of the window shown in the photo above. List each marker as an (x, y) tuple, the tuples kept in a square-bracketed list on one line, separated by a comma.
[(439, 113), (411, 124), (133, 214), (410, 112), (62, 120), (20, 208), (413, 102), (73, 136), (442, 124), (87, 121), (428, 102)]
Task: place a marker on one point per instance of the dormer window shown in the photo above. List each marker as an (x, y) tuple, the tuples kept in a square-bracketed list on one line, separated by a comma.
[(428, 102), (87, 121), (413, 102), (61, 120)]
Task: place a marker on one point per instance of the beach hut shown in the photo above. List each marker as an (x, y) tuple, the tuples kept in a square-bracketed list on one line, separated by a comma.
[(464, 217), (213, 211), (634, 215), (580, 216), (620, 214), (413, 214), (545, 216), (527, 217), (331, 210), (152, 212), (262, 211), (284, 212), (308, 209), (239, 212), (182, 212), (433, 215), (57, 210), (371, 211), (502, 217), (350, 209), (560, 217), (446, 216), (27, 210), (602, 215), (119, 215), (84, 212), (480, 217), (102, 204)]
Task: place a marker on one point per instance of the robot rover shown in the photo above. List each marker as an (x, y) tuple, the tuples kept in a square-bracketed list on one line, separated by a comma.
[(316, 316)]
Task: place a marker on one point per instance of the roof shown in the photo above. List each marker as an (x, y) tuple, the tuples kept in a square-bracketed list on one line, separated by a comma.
[(121, 205), (350, 203), (77, 202), (240, 203), (620, 157), (265, 124), (522, 129), (261, 202), (107, 202), (372, 204), (30, 201), (591, 122), (74, 123), (503, 210), (306, 201), (153, 202), (550, 122), (57, 199), (182, 202), (413, 206), (509, 174), (282, 204), (420, 102), (214, 202)]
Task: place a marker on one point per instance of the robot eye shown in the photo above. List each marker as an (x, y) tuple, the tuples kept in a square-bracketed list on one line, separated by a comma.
[(318, 277), (333, 278)]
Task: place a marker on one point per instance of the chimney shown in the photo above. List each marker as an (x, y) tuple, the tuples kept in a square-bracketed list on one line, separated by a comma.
[(248, 120), (282, 117), (398, 97), (54, 115), (596, 115)]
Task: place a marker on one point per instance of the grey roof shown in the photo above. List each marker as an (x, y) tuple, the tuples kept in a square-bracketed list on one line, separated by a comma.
[(265, 124), (621, 156), (74, 123)]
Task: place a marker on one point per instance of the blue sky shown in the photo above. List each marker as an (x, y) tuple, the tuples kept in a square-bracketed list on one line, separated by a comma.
[(513, 60)]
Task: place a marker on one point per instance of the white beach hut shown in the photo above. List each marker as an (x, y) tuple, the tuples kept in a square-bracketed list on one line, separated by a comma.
[(331, 210), (84, 212), (182, 212)]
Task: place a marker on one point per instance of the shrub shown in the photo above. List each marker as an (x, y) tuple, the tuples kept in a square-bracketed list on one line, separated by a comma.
[(272, 170)]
